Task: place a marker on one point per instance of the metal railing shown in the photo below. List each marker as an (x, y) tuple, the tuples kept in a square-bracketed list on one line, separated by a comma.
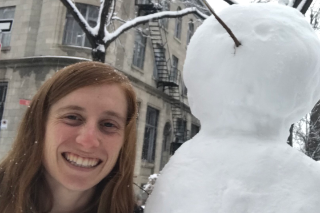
[(144, 2)]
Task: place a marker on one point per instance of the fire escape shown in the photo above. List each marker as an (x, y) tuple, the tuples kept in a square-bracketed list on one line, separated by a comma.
[(168, 76)]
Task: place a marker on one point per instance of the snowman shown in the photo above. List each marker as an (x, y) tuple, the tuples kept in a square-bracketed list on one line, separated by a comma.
[(246, 98)]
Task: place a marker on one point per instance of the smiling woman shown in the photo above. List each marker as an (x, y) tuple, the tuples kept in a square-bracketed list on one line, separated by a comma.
[(75, 148)]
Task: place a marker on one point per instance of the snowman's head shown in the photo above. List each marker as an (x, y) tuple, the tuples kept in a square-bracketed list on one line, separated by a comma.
[(266, 84)]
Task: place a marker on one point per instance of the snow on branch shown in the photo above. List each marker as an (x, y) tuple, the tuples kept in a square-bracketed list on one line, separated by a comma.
[(89, 31), (104, 8), (144, 19), (302, 3), (116, 18)]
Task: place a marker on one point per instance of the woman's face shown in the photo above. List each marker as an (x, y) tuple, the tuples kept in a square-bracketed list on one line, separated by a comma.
[(84, 134)]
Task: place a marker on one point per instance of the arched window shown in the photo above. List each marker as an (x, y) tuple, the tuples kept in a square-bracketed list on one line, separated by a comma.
[(150, 135), (167, 137), (190, 31), (177, 31)]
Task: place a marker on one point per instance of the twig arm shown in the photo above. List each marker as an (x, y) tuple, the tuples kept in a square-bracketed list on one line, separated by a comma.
[(237, 43)]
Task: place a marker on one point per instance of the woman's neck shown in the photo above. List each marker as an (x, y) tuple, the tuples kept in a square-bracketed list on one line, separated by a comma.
[(65, 201), (68, 201)]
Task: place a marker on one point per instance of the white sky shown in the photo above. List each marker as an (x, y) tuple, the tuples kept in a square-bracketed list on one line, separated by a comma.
[(218, 5)]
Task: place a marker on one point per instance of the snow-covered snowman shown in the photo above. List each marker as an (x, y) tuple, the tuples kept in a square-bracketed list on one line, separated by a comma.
[(246, 99)]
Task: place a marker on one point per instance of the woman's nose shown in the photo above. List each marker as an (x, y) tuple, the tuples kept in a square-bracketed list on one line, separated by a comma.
[(88, 136)]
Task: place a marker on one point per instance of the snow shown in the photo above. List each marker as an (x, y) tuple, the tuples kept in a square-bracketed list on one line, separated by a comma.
[(151, 181), (246, 99), (142, 19), (100, 48), (110, 36)]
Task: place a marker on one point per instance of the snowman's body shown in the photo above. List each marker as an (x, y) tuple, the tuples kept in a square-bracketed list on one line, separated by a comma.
[(267, 179), (246, 99)]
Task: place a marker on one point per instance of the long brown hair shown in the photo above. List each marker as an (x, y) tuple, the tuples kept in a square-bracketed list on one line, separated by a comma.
[(22, 183)]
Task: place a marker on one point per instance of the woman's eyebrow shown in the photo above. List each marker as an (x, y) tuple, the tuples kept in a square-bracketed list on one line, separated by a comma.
[(78, 108), (71, 107), (114, 114)]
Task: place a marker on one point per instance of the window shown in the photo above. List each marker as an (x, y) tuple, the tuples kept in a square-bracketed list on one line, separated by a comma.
[(181, 130), (166, 137), (194, 130), (73, 34), (139, 50), (165, 21), (150, 134), (174, 70), (190, 31), (184, 89), (155, 71), (177, 31), (6, 13), (166, 144), (3, 92)]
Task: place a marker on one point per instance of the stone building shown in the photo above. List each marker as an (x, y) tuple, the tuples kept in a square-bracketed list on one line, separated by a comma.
[(45, 38)]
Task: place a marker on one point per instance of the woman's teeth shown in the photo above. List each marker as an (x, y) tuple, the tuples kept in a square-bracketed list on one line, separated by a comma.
[(80, 161)]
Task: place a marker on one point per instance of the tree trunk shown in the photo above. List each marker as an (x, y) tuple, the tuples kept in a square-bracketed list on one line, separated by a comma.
[(98, 55), (98, 52)]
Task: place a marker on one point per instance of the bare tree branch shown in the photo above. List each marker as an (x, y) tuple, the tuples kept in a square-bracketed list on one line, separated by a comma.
[(112, 9), (302, 5), (99, 36), (116, 18), (103, 16), (145, 19), (80, 19)]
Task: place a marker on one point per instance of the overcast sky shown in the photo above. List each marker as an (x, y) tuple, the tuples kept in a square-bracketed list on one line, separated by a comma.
[(218, 5)]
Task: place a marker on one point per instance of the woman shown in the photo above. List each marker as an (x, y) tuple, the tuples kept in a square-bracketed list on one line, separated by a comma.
[(75, 148)]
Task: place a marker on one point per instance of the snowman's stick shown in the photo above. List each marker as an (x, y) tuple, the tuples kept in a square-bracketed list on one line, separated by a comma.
[(237, 43)]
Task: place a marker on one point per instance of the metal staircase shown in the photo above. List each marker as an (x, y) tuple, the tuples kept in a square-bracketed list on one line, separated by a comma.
[(168, 76), (160, 46)]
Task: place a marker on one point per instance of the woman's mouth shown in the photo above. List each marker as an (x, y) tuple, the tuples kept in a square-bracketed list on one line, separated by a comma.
[(79, 161)]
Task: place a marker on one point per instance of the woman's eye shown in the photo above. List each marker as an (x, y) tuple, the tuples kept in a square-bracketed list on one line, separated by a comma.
[(108, 124), (109, 127), (72, 120), (72, 117)]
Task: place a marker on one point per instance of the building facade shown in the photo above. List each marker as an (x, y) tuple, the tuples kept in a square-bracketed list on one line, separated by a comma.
[(45, 38)]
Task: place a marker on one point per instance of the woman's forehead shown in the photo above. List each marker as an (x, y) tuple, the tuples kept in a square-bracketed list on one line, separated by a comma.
[(105, 97)]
